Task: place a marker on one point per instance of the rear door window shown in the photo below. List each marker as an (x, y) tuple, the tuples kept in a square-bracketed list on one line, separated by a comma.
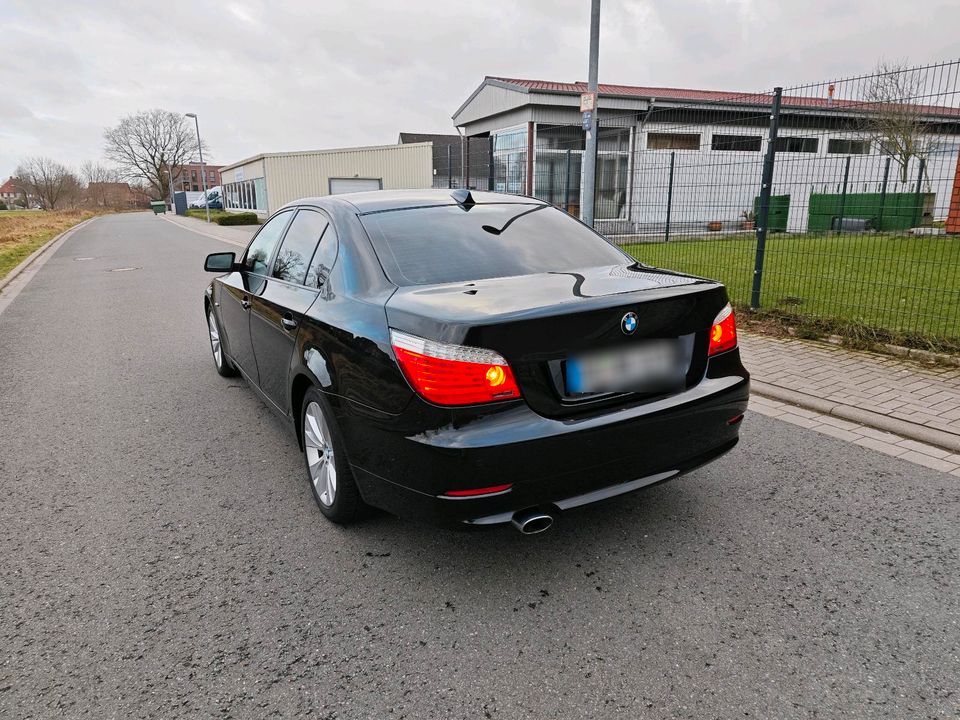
[(453, 243), (323, 258)]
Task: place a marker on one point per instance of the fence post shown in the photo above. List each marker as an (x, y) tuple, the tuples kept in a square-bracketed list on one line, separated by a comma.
[(666, 236), (466, 165), (566, 186), (766, 184), (449, 168), (883, 194), (916, 194), (843, 195), (490, 180)]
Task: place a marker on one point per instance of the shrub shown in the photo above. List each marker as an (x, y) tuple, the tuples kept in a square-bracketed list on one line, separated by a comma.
[(242, 218)]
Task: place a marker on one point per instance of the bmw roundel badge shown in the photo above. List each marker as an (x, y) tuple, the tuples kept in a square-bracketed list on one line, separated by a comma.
[(629, 323)]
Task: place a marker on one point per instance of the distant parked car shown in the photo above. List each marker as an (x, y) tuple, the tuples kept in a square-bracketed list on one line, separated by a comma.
[(212, 199), (474, 358)]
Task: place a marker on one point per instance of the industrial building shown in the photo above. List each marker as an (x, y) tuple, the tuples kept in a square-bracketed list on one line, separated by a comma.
[(526, 136), (266, 182)]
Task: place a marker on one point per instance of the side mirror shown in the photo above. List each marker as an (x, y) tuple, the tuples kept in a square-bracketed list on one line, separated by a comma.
[(220, 262)]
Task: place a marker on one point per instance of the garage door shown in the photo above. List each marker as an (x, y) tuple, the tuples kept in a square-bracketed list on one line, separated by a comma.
[(338, 186)]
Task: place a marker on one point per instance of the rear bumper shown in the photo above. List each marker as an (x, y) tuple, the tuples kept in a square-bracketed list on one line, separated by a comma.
[(411, 504), (555, 464)]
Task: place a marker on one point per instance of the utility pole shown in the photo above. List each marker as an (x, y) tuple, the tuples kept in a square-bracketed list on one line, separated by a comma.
[(590, 152), (203, 170)]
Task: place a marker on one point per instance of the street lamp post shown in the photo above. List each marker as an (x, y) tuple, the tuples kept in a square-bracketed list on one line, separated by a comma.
[(203, 171), (173, 200), (590, 149)]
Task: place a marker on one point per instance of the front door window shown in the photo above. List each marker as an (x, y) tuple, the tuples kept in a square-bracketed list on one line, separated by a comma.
[(257, 258)]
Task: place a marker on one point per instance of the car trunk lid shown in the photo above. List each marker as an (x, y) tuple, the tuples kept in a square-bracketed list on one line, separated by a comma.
[(539, 321)]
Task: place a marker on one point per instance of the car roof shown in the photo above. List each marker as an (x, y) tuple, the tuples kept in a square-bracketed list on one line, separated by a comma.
[(384, 200)]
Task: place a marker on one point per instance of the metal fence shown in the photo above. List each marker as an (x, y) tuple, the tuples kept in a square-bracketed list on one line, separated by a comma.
[(837, 201)]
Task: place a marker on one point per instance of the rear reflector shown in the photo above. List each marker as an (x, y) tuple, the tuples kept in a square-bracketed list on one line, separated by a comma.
[(474, 492), (723, 334), (453, 374)]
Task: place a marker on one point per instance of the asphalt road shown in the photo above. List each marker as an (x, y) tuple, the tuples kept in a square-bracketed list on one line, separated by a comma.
[(161, 556)]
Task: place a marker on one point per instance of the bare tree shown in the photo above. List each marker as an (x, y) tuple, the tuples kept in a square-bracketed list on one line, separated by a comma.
[(48, 183), (94, 172), (144, 146), (894, 113), (100, 181)]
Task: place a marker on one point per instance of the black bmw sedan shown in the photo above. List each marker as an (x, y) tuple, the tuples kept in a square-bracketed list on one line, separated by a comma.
[(474, 358)]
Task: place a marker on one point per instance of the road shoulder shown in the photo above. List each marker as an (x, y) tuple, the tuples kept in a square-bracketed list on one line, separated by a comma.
[(17, 279), (237, 235)]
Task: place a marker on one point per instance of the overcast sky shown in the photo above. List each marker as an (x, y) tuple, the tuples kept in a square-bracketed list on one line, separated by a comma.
[(274, 75)]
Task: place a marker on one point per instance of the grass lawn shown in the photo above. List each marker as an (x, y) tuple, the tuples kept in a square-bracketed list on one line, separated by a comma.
[(22, 232), (898, 283)]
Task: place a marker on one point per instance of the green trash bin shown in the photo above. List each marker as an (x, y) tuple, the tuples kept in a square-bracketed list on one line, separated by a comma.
[(778, 213), (158, 206)]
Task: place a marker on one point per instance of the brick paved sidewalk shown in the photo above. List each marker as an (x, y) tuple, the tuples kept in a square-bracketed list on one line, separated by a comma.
[(919, 402)]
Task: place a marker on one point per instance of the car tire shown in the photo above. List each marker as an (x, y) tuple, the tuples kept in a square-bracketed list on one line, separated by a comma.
[(224, 367), (328, 470)]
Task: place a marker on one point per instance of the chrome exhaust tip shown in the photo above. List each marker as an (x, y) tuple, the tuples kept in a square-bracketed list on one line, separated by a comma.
[(531, 522)]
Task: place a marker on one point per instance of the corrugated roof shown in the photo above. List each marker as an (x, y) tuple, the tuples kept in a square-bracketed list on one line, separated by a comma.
[(693, 95)]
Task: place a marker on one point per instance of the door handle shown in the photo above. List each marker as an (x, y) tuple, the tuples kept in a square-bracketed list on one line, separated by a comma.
[(245, 303), (288, 322)]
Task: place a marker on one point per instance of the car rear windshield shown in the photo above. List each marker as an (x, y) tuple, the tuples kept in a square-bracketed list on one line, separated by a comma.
[(454, 243)]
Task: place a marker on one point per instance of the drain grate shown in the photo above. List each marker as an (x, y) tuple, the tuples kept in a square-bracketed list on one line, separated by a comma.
[(123, 269)]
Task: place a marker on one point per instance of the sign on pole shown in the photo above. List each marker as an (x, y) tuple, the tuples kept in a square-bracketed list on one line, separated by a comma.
[(588, 120), (588, 102)]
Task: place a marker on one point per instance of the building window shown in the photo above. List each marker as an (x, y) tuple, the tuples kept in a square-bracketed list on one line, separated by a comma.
[(246, 195), (942, 147), (673, 141), (743, 143), (510, 140), (796, 144), (560, 137), (510, 161), (843, 146)]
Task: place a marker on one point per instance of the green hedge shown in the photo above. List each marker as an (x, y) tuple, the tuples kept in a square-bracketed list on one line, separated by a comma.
[(242, 218), (221, 217)]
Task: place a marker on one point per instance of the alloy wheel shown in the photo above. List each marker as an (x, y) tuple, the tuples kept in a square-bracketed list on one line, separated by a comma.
[(317, 442), (215, 339)]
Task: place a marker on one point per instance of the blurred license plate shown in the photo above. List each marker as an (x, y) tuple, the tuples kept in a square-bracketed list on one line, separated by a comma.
[(651, 366)]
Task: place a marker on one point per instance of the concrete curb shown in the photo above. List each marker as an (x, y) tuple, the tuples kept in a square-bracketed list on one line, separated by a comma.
[(12, 275), (925, 356), (912, 431), (198, 231)]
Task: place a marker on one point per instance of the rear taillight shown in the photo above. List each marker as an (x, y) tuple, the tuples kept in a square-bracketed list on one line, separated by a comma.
[(723, 334), (453, 374)]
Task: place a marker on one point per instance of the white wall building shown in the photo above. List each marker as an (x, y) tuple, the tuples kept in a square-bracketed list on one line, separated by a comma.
[(716, 142), (268, 181)]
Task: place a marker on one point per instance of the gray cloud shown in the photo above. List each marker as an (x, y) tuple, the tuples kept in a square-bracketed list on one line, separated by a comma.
[(273, 76)]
